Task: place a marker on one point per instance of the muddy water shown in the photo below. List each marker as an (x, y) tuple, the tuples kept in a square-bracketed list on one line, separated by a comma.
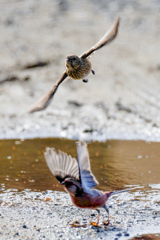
[(114, 163), (147, 237)]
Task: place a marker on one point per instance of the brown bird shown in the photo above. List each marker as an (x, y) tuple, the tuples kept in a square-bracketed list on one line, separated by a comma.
[(77, 67), (78, 179)]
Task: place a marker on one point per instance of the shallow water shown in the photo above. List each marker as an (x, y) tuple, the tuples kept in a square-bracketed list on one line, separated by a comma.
[(147, 237), (114, 163)]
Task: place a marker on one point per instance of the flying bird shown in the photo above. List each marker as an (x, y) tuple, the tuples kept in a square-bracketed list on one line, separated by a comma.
[(77, 67), (78, 179)]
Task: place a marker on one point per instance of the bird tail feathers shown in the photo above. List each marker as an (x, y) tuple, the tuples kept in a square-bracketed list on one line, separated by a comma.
[(121, 191)]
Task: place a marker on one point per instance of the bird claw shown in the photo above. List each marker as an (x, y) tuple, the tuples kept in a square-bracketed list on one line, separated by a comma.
[(77, 224), (85, 80), (93, 72), (95, 224), (106, 223)]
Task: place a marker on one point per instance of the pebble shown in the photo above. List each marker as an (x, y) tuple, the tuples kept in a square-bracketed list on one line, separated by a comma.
[(126, 234), (119, 234)]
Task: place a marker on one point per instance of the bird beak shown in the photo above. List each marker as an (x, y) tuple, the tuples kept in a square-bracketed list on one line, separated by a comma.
[(68, 60)]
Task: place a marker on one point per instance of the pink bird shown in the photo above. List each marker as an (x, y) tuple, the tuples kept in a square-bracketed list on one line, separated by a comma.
[(78, 179)]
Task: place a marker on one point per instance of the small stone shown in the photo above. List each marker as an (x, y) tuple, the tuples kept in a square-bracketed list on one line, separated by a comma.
[(93, 214), (24, 226), (126, 234), (16, 234), (119, 234)]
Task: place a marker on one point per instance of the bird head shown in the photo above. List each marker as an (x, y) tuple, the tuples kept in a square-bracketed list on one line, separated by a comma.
[(71, 185), (73, 62)]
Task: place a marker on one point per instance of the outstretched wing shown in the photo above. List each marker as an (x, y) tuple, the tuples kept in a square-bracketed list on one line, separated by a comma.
[(86, 176), (45, 100), (61, 165), (107, 38)]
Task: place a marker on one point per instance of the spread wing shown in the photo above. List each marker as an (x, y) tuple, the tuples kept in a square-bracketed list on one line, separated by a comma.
[(107, 38), (86, 176), (61, 165), (45, 100)]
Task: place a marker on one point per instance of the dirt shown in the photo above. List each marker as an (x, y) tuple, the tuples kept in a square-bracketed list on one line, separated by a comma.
[(51, 215)]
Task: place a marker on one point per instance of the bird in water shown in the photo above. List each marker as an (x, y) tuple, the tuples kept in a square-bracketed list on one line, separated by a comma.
[(78, 179), (77, 67)]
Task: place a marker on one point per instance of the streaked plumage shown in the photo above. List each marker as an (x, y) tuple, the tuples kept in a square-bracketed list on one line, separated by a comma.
[(78, 178), (77, 67)]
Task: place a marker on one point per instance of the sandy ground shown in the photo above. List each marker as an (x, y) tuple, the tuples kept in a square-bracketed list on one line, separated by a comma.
[(121, 101), (29, 215)]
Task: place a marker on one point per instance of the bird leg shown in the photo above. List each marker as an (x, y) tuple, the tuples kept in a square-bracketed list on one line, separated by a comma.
[(98, 215), (93, 72), (107, 210), (85, 80)]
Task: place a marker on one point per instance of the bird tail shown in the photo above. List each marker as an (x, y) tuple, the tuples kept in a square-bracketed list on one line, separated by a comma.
[(120, 191)]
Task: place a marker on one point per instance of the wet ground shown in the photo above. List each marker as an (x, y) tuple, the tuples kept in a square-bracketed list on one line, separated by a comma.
[(147, 237), (26, 183)]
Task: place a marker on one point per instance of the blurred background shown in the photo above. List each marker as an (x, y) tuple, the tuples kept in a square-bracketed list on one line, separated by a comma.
[(120, 101)]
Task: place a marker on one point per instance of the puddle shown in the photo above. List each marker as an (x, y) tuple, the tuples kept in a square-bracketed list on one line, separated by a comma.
[(147, 237), (115, 163)]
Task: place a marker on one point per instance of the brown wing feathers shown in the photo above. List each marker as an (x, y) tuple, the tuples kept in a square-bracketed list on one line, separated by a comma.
[(45, 100), (107, 38), (61, 165)]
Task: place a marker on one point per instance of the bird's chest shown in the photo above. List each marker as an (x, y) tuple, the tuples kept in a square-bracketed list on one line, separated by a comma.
[(89, 201), (82, 202), (80, 72)]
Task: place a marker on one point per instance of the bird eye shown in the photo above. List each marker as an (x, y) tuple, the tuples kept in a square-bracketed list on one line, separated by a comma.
[(68, 184)]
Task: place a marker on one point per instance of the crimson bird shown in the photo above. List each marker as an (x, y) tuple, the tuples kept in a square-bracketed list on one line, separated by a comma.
[(78, 179), (77, 67)]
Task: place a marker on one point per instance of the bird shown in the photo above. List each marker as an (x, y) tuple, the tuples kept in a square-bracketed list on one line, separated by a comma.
[(78, 179), (77, 67)]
